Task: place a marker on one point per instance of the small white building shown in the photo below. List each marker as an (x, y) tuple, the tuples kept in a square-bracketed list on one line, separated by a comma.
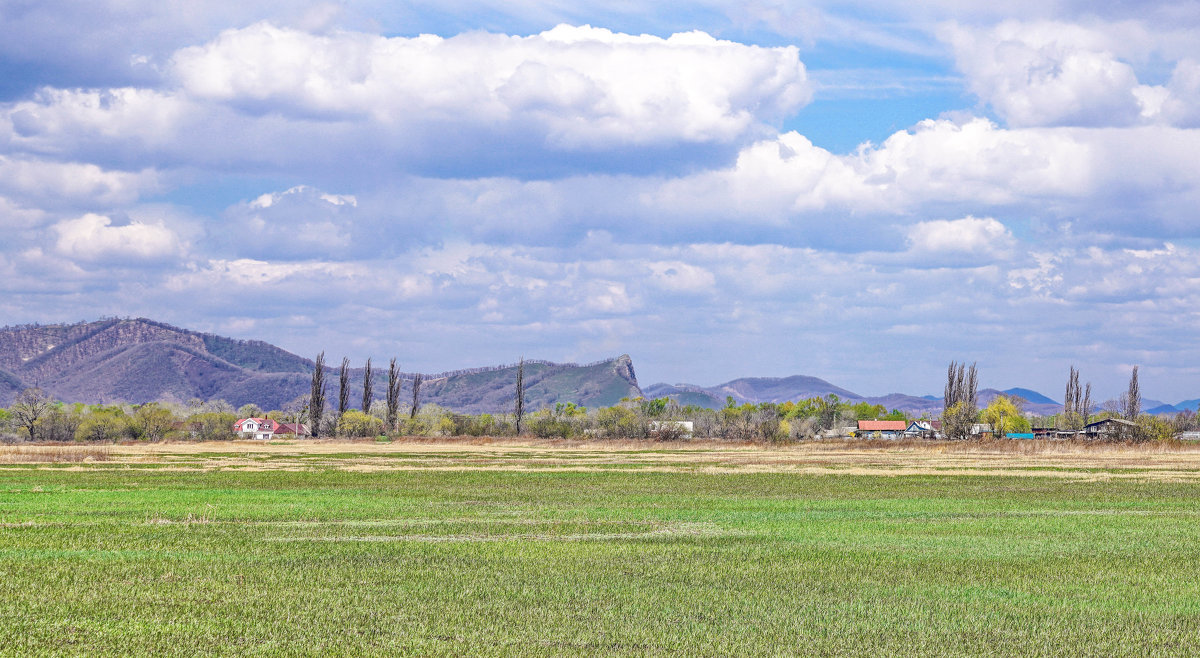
[(981, 429), (255, 428), (264, 429), (681, 428), (926, 429)]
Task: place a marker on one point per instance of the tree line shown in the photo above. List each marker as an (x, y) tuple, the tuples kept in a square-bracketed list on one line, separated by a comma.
[(1005, 414), (37, 416)]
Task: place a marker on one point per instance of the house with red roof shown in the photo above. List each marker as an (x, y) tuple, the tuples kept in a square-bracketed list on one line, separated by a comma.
[(881, 429), (265, 428)]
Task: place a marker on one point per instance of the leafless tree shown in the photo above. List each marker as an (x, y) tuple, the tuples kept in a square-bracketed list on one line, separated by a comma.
[(951, 391), (1133, 398), (1077, 403), (1085, 407), (1071, 400), (962, 385), (971, 391), (519, 410), (316, 398), (296, 412), (393, 394), (32, 404), (960, 405), (416, 401), (368, 384), (344, 388)]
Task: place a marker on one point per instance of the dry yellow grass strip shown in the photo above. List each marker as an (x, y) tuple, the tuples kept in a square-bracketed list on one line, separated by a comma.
[(55, 454), (1008, 458)]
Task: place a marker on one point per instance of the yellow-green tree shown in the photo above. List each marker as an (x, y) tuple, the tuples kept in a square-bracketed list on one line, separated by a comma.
[(153, 421), (1004, 415), (103, 424), (356, 423)]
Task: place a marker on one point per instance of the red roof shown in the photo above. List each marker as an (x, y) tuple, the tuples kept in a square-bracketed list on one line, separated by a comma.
[(882, 425), (263, 423)]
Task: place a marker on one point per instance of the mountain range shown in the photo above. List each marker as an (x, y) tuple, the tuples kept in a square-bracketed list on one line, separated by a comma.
[(141, 360), (755, 390)]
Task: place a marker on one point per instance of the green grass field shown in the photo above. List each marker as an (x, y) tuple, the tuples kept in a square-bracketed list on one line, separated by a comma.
[(126, 558)]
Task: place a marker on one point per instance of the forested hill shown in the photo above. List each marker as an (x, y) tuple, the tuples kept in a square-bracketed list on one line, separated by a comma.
[(140, 360)]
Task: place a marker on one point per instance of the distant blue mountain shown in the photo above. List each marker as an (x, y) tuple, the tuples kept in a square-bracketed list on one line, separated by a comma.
[(1030, 396), (1161, 409), (1188, 405)]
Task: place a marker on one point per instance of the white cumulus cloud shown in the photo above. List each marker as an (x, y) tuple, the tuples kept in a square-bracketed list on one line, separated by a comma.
[(579, 86), (1054, 73), (93, 237), (970, 235)]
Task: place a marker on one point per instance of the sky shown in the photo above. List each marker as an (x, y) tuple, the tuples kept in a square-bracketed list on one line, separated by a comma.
[(860, 191)]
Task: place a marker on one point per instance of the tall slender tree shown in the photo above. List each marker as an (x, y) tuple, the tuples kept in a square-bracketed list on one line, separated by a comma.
[(950, 393), (368, 384), (344, 388), (962, 385), (316, 398), (416, 400), (393, 394), (1085, 407), (960, 404), (1072, 399), (519, 409), (1077, 402), (1133, 398), (971, 393)]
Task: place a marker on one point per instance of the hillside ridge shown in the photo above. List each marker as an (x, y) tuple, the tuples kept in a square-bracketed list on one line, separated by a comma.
[(140, 360)]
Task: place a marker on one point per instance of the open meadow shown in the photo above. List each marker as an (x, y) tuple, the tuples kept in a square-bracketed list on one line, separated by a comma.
[(510, 547)]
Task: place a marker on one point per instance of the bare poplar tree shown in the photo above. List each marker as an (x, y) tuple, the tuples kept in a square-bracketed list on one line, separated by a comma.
[(368, 384), (971, 392), (962, 385), (344, 388), (951, 391), (519, 410), (416, 401), (960, 404), (393, 394), (1085, 407), (1072, 400), (316, 398), (1133, 398), (1077, 402)]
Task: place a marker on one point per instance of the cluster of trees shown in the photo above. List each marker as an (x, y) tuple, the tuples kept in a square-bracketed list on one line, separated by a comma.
[(1005, 415), (37, 416)]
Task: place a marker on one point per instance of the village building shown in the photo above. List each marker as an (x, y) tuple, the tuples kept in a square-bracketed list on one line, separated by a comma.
[(264, 429), (683, 429), (981, 430), (924, 429), (1109, 428), (880, 429)]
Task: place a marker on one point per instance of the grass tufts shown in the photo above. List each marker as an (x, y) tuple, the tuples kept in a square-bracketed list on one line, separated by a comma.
[(53, 454)]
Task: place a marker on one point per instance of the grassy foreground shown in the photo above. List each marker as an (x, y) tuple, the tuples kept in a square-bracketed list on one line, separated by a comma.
[(150, 557)]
